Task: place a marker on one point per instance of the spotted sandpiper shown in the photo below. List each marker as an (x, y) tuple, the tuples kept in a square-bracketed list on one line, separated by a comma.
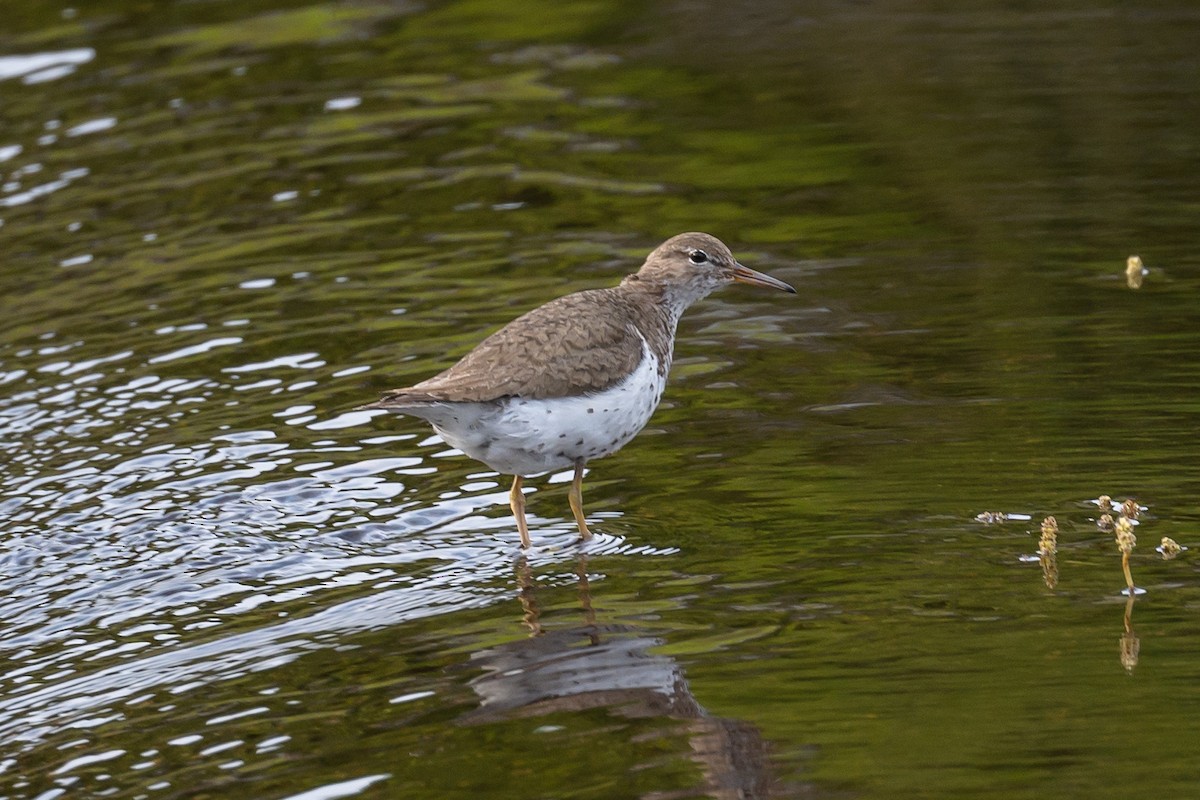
[(577, 378)]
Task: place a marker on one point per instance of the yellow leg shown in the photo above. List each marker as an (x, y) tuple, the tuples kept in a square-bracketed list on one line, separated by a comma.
[(576, 498), (516, 501)]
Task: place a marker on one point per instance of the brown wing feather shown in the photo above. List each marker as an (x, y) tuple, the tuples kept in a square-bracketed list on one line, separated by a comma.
[(578, 343)]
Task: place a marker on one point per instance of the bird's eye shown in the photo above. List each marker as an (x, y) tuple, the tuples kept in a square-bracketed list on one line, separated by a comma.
[(698, 257)]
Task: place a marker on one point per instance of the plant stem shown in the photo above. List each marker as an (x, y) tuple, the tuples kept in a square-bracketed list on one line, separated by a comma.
[(1128, 575)]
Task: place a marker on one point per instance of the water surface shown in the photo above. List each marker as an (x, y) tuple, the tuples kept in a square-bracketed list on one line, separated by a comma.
[(226, 224)]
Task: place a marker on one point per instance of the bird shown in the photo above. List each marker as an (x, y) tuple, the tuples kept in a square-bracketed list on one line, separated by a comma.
[(575, 379)]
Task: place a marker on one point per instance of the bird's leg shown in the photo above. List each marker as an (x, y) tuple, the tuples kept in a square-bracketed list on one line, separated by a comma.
[(576, 498), (516, 501)]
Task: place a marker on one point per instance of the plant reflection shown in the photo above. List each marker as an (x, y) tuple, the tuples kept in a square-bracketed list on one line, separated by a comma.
[(1048, 552), (1130, 643)]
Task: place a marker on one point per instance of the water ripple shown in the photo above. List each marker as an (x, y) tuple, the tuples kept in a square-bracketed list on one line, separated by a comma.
[(142, 559)]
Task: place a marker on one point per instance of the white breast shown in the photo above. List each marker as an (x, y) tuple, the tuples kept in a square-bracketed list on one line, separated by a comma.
[(528, 437)]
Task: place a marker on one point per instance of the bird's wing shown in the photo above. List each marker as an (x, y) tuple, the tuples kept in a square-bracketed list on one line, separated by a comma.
[(578, 343)]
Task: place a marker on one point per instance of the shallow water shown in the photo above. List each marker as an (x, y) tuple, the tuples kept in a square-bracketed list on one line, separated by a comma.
[(227, 224)]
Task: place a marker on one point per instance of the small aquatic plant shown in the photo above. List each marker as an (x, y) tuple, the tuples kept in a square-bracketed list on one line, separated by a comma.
[(1048, 543), (1047, 552), (1135, 272), (1126, 538), (1126, 541), (1121, 520), (1130, 509), (1169, 548)]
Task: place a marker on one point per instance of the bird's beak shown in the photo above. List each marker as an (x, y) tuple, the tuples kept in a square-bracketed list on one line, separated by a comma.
[(743, 274)]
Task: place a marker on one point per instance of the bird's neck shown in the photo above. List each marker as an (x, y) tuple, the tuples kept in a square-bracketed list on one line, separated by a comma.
[(669, 300), (658, 307)]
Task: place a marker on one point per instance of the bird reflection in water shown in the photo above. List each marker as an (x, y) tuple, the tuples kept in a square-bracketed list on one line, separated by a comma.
[(612, 667)]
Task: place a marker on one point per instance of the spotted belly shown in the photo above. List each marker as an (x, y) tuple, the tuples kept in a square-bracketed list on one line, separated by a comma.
[(521, 436)]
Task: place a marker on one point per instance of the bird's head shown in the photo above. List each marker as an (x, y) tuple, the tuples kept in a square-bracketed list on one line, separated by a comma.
[(689, 266)]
